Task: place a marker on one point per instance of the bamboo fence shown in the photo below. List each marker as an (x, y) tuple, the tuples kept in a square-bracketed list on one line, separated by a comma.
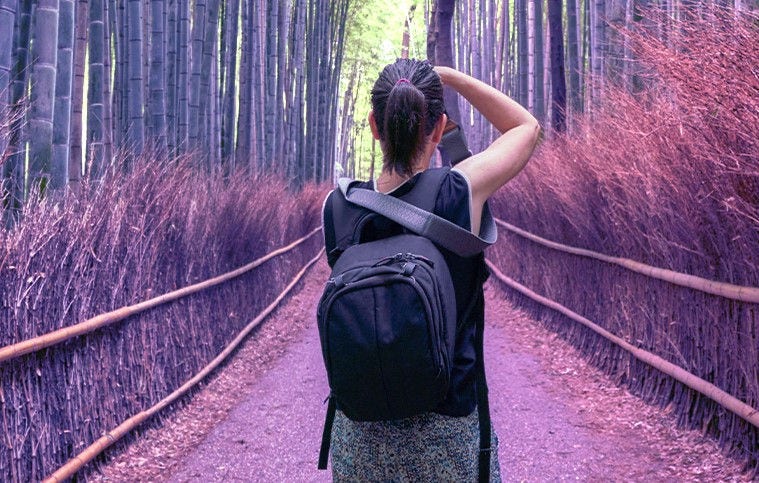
[(108, 318), (75, 464), (66, 388), (703, 332), (696, 383), (734, 292)]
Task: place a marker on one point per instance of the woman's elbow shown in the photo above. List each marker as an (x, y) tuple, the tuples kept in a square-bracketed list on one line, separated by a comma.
[(531, 131), (535, 130)]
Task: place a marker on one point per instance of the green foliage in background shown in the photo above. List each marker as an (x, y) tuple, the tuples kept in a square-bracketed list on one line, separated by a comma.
[(374, 34)]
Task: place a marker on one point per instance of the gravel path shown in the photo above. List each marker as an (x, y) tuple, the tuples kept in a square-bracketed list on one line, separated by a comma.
[(556, 417)]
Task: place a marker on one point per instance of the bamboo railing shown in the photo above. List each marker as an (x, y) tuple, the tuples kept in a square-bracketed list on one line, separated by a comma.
[(108, 318), (77, 462), (726, 290), (694, 382), (730, 291)]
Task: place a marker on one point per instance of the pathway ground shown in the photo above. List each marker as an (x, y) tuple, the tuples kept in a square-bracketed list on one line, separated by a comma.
[(558, 419)]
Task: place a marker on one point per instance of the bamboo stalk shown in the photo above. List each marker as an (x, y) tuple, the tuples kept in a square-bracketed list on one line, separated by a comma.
[(77, 462), (694, 382), (56, 337), (740, 293)]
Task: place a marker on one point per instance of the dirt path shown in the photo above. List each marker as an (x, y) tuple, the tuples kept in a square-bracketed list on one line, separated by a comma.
[(557, 419)]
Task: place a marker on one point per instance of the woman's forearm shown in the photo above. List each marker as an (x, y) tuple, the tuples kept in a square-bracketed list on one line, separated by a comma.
[(498, 108)]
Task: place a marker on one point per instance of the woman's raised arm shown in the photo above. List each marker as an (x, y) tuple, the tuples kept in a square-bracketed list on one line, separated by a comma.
[(506, 156)]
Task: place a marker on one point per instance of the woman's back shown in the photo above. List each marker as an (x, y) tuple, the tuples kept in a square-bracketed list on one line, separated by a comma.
[(408, 118)]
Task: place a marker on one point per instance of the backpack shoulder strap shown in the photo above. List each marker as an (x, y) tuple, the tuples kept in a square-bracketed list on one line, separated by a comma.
[(328, 225), (441, 231), (327, 433), (342, 223), (350, 217)]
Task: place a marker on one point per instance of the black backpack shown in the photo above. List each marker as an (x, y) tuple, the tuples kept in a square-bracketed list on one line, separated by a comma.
[(387, 317)]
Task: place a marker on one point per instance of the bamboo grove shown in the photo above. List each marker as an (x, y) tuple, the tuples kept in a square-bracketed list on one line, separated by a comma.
[(556, 57), (257, 85), (553, 56), (244, 84), (659, 166)]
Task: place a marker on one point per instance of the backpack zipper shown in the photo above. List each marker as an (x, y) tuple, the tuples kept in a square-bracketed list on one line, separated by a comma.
[(438, 353)]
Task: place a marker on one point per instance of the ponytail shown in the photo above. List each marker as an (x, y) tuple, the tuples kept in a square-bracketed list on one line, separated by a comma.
[(407, 100), (404, 127)]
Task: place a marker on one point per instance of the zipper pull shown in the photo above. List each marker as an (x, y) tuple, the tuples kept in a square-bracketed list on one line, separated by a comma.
[(408, 268), (390, 259), (338, 281)]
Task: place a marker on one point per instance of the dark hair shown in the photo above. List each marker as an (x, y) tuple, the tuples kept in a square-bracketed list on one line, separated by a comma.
[(407, 100)]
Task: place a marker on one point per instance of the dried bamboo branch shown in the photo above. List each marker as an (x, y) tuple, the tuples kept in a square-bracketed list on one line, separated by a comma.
[(76, 463), (722, 289), (694, 382), (102, 320)]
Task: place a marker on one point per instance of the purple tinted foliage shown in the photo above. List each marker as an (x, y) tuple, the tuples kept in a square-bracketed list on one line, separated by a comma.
[(135, 236), (668, 177)]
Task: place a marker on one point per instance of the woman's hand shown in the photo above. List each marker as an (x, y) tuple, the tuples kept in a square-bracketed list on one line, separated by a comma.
[(444, 73)]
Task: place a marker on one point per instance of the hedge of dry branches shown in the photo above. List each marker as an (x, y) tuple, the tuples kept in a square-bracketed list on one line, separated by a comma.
[(669, 177), (162, 227)]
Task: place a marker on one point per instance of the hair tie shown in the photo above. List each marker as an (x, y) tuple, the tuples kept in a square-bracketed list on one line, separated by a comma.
[(401, 80)]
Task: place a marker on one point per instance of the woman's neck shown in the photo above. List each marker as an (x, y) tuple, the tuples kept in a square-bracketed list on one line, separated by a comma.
[(388, 181)]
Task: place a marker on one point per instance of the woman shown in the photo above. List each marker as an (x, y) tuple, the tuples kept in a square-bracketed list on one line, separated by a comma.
[(408, 118)]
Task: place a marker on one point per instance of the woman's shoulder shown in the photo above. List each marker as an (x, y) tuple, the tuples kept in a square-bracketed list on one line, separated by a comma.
[(454, 199), (454, 185)]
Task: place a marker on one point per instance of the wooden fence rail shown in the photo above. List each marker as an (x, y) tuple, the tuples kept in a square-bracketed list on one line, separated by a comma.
[(694, 382), (726, 290), (77, 462), (102, 320)]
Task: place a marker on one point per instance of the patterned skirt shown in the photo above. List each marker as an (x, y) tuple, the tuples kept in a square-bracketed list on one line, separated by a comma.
[(428, 447)]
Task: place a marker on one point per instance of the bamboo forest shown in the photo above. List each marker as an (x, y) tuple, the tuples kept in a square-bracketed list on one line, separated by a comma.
[(165, 239)]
